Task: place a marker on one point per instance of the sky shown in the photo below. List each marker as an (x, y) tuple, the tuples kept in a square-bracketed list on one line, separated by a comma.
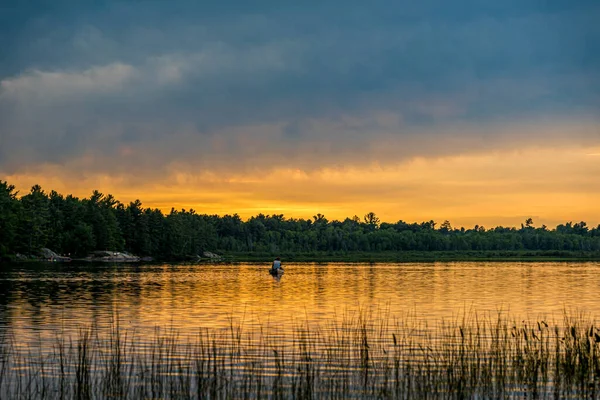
[(473, 111)]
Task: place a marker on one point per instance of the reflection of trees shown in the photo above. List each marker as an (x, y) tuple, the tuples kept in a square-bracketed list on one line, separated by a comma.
[(58, 292), (48, 298), (372, 279), (6, 296)]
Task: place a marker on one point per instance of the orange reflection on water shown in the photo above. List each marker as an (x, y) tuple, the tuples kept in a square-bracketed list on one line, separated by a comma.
[(190, 297)]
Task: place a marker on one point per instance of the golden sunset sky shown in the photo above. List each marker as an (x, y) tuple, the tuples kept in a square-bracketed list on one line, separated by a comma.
[(479, 113)]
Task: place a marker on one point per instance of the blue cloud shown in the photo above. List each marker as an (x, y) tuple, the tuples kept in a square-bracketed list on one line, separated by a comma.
[(212, 65)]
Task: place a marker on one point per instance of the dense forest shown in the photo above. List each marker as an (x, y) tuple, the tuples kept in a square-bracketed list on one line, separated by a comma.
[(72, 226)]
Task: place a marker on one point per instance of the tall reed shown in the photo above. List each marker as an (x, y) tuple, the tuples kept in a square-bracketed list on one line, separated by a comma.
[(359, 356)]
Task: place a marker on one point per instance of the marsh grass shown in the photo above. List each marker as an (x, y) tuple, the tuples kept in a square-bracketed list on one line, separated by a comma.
[(356, 356)]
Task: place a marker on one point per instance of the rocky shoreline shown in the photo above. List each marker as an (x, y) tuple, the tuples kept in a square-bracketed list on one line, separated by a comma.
[(47, 255), (110, 256)]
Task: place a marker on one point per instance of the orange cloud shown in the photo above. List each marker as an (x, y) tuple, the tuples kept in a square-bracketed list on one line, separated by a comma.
[(493, 188)]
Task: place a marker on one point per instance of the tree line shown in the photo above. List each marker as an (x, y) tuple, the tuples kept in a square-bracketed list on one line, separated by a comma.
[(72, 226)]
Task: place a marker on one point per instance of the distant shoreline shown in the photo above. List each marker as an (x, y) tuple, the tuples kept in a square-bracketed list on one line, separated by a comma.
[(416, 256), (367, 257)]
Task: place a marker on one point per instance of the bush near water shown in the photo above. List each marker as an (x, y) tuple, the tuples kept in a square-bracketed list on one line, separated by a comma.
[(75, 227)]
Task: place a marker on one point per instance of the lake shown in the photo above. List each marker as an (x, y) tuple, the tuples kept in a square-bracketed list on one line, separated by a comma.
[(42, 302), (36, 298)]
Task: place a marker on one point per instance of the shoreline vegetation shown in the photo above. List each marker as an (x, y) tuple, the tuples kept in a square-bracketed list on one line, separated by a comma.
[(360, 356), (420, 256), (317, 257), (82, 229)]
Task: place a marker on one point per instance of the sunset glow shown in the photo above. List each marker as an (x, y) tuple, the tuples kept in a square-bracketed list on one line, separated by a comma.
[(496, 188), (276, 110)]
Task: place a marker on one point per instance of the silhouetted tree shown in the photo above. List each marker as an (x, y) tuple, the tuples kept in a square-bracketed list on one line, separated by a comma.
[(74, 226)]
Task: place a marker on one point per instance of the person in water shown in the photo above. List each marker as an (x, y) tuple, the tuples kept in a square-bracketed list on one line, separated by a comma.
[(276, 265)]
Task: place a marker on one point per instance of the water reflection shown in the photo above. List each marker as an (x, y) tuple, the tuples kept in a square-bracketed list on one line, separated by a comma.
[(44, 298)]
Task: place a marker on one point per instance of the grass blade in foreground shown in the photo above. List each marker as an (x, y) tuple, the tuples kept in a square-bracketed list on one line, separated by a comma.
[(360, 357)]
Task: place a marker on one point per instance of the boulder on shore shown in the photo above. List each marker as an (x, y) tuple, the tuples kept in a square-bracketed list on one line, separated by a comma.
[(21, 257), (209, 257), (111, 256), (48, 255), (208, 254)]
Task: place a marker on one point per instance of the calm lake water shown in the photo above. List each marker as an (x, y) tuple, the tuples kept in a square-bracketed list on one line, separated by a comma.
[(37, 300), (320, 330)]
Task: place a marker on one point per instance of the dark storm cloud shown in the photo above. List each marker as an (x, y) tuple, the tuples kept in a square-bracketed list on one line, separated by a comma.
[(209, 81)]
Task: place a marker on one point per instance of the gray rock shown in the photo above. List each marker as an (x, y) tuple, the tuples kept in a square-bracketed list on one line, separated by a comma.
[(48, 255), (208, 254), (112, 256)]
